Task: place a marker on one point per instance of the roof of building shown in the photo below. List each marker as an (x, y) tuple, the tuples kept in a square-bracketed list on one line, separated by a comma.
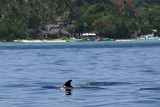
[(58, 32), (50, 27), (58, 19), (53, 29)]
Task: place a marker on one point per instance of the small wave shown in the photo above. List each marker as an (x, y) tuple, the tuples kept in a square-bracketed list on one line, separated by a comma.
[(90, 87), (50, 87), (19, 69), (145, 89), (104, 83), (154, 72), (13, 46), (18, 85), (149, 71)]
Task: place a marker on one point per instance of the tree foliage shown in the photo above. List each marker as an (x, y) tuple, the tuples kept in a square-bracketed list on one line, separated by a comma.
[(108, 18), (10, 30)]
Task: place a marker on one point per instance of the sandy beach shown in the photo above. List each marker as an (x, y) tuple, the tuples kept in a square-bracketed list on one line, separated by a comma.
[(126, 39), (35, 41)]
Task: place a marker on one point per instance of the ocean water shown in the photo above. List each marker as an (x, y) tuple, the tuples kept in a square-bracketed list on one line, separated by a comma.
[(104, 74)]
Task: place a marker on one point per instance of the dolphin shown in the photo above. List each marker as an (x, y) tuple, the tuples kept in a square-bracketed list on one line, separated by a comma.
[(67, 85)]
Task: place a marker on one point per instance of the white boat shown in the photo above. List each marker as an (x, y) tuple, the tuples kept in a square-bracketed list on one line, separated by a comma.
[(74, 40), (148, 37)]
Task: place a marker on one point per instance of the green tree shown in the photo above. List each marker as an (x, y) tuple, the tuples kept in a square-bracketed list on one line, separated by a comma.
[(96, 8), (10, 30), (146, 28), (132, 26), (150, 18), (103, 27), (87, 19), (126, 8)]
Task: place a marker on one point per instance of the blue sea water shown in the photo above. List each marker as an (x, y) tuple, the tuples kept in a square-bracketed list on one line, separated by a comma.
[(106, 74)]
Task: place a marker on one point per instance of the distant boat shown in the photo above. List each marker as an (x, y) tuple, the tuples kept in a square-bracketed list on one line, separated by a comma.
[(148, 37), (74, 40)]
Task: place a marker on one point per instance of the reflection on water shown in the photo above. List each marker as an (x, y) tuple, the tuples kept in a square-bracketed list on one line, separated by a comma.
[(68, 91)]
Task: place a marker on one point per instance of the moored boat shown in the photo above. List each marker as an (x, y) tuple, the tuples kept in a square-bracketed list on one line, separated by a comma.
[(148, 37), (74, 40)]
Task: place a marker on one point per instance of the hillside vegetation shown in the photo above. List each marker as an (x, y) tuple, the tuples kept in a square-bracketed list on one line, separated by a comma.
[(107, 18)]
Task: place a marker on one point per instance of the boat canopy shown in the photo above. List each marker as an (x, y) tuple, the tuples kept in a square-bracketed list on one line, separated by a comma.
[(88, 34)]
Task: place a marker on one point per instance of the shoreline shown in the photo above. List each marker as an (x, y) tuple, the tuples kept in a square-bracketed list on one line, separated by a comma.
[(126, 40), (37, 41), (59, 40)]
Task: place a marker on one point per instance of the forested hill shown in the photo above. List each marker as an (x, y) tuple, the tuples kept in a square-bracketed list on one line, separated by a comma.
[(108, 18)]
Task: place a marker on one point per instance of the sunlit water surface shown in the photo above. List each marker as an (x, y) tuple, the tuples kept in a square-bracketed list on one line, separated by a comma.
[(112, 74)]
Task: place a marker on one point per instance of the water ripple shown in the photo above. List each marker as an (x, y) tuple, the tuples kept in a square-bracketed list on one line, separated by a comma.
[(138, 44)]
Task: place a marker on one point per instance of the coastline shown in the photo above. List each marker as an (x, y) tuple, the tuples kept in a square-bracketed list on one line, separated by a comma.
[(37, 41), (59, 40), (126, 39)]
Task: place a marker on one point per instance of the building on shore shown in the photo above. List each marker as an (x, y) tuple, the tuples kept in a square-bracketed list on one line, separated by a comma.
[(52, 31)]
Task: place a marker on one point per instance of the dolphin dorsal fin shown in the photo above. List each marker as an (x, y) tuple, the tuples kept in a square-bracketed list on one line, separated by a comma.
[(68, 83)]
